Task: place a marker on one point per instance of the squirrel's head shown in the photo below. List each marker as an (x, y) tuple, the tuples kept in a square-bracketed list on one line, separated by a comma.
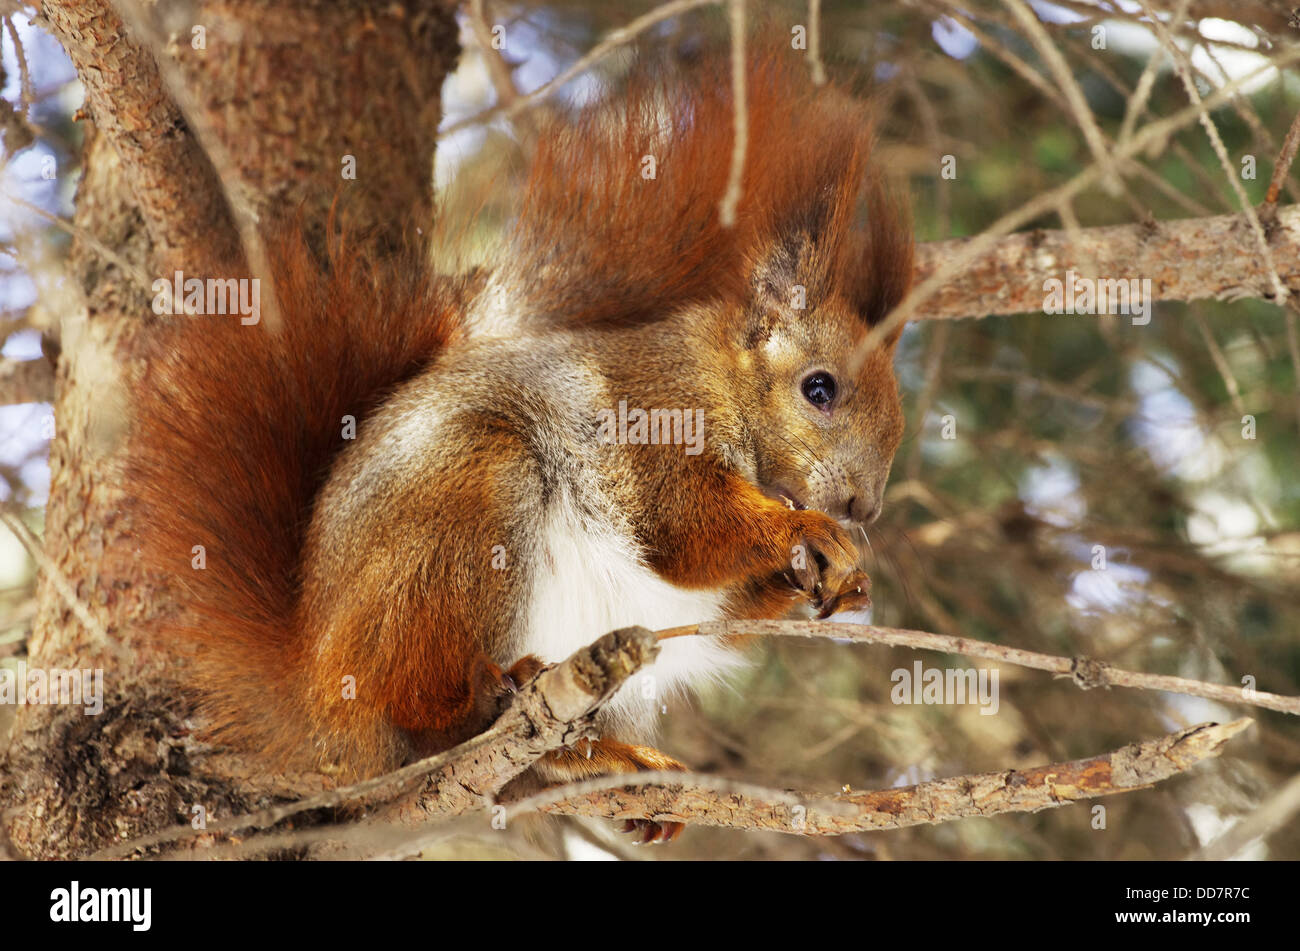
[(825, 436), (621, 226), (823, 414)]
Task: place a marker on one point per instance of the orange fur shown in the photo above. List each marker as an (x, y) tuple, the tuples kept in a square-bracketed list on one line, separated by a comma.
[(237, 435), (595, 242), (235, 429)]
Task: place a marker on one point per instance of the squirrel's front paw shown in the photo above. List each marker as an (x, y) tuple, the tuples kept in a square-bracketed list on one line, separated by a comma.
[(495, 688), (824, 566), (853, 594), (523, 671)]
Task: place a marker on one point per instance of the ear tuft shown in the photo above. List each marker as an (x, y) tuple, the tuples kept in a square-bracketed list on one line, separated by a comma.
[(596, 241)]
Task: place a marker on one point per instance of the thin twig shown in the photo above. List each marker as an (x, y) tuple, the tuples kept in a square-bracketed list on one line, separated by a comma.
[(26, 94), (1212, 131), (1273, 813), (1137, 102), (612, 41), (815, 42), (139, 274), (1046, 201), (1078, 103), (1293, 347), (739, 114), (61, 584), (1085, 672), (497, 67), (1220, 363), (1268, 210)]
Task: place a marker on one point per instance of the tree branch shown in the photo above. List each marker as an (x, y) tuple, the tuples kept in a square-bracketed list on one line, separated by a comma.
[(554, 709), (1182, 67), (1188, 259), (1084, 671), (1268, 210), (174, 184), (715, 801), (1136, 766), (943, 272), (557, 709)]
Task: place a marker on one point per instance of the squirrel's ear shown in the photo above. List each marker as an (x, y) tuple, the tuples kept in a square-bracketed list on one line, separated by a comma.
[(782, 277), (799, 267), (878, 260)]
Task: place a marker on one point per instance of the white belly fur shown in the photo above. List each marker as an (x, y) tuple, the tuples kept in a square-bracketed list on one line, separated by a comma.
[(590, 579)]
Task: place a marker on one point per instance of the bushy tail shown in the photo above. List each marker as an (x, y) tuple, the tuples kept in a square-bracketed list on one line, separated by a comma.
[(234, 431)]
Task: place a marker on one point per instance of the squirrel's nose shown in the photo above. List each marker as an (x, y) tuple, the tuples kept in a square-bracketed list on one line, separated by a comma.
[(863, 508)]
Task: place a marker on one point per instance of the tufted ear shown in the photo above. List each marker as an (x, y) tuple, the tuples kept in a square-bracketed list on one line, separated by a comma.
[(779, 292), (877, 264), (796, 271), (778, 279), (853, 245)]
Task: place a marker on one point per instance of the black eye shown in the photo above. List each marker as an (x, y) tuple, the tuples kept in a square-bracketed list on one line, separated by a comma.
[(819, 388)]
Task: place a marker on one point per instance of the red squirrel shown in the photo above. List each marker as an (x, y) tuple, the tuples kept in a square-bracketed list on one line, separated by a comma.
[(369, 600)]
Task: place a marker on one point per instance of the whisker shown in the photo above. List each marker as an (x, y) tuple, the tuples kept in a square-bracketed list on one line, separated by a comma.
[(811, 452), (803, 456)]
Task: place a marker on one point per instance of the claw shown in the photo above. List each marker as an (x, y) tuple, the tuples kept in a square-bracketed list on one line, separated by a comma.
[(651, 831)]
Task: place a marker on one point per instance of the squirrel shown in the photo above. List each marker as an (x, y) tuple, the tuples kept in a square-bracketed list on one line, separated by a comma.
[(502, 503)]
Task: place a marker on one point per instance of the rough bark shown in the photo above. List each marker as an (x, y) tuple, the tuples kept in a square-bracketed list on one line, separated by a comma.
[(1190, 259), (172, 180), (280, 94), (555, 709), (1136, 766)]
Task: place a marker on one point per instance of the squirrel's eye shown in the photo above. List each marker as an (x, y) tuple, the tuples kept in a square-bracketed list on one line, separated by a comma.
[(819, 388)]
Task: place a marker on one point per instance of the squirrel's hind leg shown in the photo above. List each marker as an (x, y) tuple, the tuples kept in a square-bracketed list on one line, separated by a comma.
[(588, 759)]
